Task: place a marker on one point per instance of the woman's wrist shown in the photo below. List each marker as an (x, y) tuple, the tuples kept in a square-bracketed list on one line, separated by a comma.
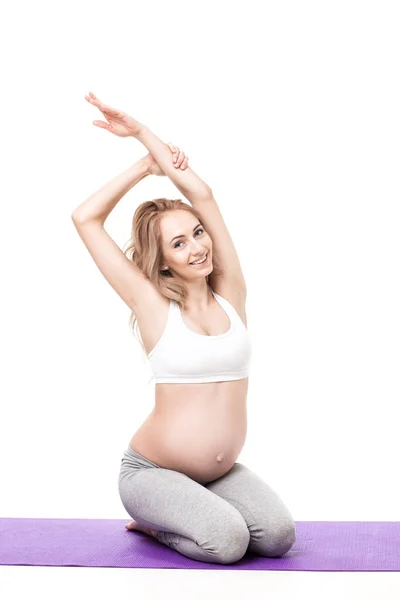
[(140, 130), (144, 166)]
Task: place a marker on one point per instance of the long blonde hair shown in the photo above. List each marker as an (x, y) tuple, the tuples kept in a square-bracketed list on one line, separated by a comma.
[(144, 249)]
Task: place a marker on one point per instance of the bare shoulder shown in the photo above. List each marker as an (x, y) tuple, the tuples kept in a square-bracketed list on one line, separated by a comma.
[(233, 291), (151, 310)]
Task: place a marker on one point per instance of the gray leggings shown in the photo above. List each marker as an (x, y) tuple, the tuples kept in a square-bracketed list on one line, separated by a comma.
[(216, 522)]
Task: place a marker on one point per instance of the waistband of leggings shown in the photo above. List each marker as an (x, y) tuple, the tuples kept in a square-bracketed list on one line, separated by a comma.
[(135, 454)]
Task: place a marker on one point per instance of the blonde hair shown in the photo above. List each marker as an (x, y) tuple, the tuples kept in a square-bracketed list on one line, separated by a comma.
[(144, 249)]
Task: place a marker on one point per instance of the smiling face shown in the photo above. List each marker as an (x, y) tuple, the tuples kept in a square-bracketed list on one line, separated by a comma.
[(184, 240)]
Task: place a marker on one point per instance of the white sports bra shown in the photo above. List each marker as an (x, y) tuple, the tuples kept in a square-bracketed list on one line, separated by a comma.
[(184, 356)]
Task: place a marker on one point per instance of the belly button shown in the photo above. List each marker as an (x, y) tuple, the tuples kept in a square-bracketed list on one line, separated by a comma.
[(220, 457)]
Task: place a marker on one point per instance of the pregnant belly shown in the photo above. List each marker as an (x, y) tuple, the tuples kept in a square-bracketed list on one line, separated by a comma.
[(204, 450), (198, 438)]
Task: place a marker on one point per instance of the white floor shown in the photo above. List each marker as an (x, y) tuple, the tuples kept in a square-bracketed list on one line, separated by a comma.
[(170, 584)]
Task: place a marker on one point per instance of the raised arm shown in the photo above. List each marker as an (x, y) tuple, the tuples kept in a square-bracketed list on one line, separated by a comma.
[(228, 277), (187, 182), (124, 125), (99, 205)]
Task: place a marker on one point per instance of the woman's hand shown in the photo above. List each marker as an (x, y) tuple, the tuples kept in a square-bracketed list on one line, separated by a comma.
[(119, 123), (178, 157), (123, 125)]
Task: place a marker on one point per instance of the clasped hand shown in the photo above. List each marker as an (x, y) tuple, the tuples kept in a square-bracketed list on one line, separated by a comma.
[(123, 125)]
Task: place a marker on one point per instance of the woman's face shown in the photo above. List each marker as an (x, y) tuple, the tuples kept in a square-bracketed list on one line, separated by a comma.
[(184, 241)]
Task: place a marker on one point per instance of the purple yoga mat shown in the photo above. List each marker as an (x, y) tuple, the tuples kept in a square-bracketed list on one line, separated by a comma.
[(319, 546)]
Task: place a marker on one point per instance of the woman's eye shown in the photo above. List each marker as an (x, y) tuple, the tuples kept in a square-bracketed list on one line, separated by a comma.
[(197, 231)]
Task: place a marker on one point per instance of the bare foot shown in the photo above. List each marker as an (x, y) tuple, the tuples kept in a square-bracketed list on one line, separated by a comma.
[(133, 525)]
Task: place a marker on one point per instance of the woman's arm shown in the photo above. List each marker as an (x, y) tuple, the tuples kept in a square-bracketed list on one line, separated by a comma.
[(187, 182), (124, 125), (99, 205)]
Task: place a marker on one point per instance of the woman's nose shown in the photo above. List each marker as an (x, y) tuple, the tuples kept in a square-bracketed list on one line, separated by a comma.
[(196, 246)]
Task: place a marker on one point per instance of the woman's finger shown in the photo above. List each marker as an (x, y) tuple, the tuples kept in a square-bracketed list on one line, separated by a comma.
[(183, 158), (92, 98), (179, 158), (112, 111), (185, 162), (101, 124), (174, 152)]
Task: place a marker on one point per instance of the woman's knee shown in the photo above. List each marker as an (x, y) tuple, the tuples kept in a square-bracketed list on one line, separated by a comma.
[(281, 541), (231, 544)]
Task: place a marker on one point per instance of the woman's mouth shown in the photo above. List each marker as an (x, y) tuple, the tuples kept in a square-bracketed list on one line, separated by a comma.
[(201, 264)]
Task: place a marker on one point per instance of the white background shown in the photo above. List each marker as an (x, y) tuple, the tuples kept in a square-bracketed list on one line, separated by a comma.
[(290, 112)]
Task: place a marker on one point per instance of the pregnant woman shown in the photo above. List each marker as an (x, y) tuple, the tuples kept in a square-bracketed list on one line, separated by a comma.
[(179, 479)]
